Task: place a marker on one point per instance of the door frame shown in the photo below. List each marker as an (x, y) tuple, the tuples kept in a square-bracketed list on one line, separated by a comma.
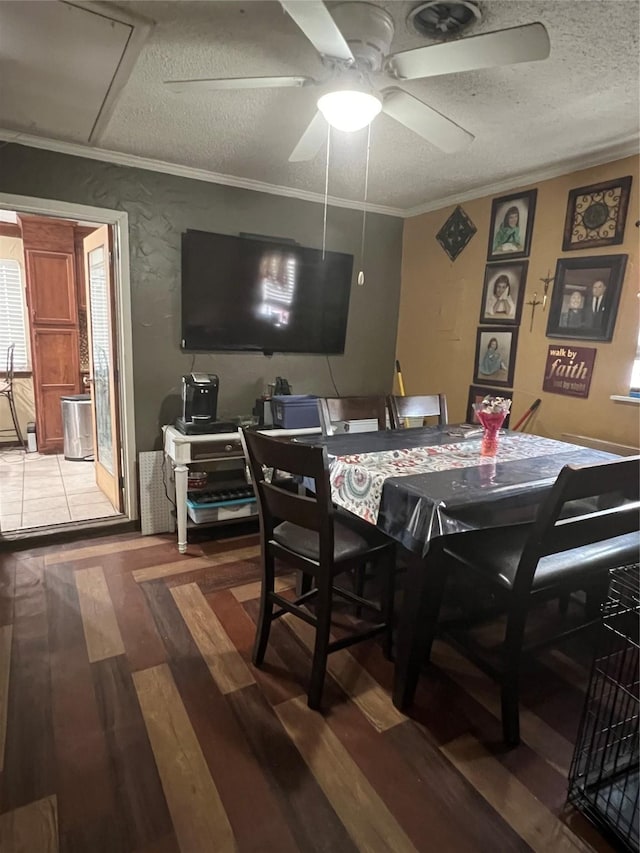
[(119, 220)]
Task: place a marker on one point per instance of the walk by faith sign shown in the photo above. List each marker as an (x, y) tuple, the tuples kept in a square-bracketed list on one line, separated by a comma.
[(569, 370)]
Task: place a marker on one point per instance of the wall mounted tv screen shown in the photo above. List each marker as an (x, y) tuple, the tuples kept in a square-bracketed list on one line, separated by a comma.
[(241, 293)]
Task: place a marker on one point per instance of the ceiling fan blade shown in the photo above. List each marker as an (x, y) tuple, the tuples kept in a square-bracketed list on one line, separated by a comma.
[(425, 121), (504, 47), (313, 18), (311, 140), (238, 83)]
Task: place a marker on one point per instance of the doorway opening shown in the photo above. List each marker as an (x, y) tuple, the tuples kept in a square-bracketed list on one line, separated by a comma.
[(67, 442)]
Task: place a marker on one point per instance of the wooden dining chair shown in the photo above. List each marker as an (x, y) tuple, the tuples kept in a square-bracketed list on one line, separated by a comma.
[(336, 413), (303, 531), (425, 406), (587, 525)]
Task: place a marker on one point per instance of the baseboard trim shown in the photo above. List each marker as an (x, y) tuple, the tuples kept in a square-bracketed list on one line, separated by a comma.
[(600, 444)]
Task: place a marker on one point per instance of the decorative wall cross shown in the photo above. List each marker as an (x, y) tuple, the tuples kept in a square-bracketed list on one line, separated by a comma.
[(547, 281), (533, 302)]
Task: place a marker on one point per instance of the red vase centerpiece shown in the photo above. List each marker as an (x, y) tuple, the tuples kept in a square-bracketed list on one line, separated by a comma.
[(491, 413), (491, 421)]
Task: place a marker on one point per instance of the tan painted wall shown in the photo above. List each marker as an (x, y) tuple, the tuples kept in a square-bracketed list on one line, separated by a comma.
[(440, 308), (11, 248)]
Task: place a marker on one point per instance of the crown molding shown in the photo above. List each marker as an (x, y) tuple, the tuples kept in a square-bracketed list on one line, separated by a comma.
[(625, 148), (76, 149), (618, 151)]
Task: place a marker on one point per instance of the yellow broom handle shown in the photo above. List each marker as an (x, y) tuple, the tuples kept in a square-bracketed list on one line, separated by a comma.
[(400, 382)]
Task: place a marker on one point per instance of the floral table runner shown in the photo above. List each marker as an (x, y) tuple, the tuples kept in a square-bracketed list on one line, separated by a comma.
[(357, 480)]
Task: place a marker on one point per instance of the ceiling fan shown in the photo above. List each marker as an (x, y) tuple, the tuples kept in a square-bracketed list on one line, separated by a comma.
[(354, 41)]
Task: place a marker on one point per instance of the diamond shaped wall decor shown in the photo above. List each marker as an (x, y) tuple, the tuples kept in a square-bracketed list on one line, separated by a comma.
[(456, 233)]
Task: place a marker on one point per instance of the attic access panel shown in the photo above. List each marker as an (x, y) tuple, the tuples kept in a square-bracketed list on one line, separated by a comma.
[(61, 66)]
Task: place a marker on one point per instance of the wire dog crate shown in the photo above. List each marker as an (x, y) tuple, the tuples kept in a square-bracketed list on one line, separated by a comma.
[(604, 775)]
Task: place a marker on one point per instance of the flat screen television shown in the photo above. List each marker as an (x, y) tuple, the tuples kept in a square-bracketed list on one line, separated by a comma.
[(242, 293)]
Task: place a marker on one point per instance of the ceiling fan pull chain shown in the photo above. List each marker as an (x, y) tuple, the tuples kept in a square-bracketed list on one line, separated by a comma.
[(364, 211), (326, 193)]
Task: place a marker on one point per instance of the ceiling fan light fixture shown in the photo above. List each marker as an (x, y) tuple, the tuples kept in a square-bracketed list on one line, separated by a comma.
[(349, 109)]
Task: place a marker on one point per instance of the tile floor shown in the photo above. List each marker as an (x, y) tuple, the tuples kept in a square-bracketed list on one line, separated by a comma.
[(40, 490)]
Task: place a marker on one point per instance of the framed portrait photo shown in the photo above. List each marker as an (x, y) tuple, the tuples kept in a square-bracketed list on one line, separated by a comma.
[(477, 393), (585, 298), (511, 226), (503, 293), (495, 355), (596, 215)]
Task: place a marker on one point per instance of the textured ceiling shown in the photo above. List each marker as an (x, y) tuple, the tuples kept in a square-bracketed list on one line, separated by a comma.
[(526, 117), (40, 46)]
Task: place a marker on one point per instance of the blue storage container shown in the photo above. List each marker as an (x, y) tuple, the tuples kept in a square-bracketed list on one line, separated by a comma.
[(295, 411)]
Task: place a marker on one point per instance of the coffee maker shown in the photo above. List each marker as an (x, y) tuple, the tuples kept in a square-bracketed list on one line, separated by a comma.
[(199, 403)]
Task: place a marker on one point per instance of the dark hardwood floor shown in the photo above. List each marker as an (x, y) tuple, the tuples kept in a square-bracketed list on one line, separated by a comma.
[(131, 719)]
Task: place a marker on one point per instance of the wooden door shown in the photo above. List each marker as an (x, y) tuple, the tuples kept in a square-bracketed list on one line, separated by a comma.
[(53, 299), (79, 233), (56, 355), (53, 322), (102, 363)]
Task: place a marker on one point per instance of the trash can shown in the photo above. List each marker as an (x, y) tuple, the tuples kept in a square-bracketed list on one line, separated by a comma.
[(77, 428), (32, 439)]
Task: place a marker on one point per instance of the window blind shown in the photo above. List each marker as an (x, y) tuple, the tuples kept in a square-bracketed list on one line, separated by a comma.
[(13, 328)]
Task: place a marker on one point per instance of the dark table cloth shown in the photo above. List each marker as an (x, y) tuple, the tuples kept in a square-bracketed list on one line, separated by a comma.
[(416, 484), (421, 485)]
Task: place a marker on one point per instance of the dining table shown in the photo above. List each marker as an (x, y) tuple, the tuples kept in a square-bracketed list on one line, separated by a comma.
[(421, 486)]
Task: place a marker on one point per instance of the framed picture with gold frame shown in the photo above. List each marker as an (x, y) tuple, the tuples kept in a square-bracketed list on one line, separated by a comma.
[(596, 215)]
